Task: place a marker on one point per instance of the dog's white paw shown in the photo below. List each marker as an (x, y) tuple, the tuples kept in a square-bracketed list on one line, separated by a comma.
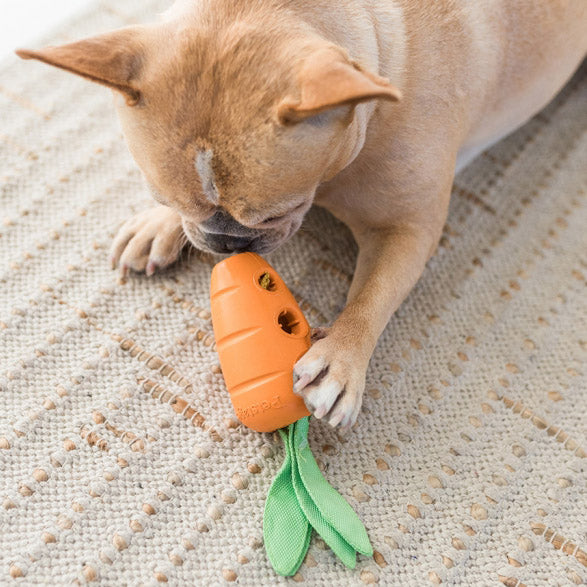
[(331, 380), (149, 240)]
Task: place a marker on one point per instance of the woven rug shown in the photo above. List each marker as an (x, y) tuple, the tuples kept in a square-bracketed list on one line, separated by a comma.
[(121, 461)]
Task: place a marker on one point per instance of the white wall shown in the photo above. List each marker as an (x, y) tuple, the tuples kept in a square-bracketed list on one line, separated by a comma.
[(24, 21)]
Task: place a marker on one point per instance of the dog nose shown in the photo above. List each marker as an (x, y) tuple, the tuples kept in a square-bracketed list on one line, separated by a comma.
[(224, 243)]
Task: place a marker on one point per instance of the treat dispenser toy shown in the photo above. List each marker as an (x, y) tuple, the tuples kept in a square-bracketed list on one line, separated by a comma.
[(260, 334)]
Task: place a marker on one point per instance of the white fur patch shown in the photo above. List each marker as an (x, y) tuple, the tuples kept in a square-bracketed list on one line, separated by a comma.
[(206, 173)]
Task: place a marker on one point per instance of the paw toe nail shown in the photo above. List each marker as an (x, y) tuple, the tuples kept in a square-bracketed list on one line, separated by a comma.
[(301, 383), (320, 413), (151, 266)]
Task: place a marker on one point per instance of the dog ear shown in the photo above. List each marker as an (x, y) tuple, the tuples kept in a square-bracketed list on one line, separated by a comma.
[(112, 59), (329, 79)]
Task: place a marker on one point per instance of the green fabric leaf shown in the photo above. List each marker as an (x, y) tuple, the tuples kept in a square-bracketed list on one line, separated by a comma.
[(341, 548), (286, 531), (331, 505), (301, 499)]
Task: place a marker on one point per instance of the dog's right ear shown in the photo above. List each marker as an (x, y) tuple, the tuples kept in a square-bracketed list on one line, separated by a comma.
[(113, 59), (329, 79)]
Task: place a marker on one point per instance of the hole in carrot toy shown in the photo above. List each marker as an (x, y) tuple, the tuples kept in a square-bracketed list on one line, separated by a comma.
[(289, 322), (267, 282)]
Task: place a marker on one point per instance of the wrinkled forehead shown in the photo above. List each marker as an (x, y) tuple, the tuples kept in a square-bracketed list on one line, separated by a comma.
[(216, 99), (240, 69), (213, 102)]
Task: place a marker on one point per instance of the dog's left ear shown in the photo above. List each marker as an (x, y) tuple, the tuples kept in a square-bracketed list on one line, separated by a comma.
[(329, 79), (112, 59)]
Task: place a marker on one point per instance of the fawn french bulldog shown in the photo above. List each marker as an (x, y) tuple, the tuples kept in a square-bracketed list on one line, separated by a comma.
[(242, 114)]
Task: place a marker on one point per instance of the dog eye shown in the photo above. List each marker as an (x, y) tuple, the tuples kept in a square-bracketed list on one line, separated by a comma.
[(272, 219)]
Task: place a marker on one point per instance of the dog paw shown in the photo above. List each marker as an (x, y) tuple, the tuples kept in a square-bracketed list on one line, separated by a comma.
[(331, 380), (149, 240)]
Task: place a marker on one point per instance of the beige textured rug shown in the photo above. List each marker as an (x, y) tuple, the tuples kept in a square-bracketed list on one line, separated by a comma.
[(120, 459)]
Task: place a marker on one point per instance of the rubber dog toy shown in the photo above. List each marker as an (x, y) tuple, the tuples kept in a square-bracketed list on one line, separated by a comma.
[(260, 334)]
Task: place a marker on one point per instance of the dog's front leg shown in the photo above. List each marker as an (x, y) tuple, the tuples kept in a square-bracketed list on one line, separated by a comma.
[(331, 375)]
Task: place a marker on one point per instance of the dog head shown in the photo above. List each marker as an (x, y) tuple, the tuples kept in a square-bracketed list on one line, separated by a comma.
[(233, 120)]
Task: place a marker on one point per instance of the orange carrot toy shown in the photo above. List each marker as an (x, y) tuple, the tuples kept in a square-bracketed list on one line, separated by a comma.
[(260, 334)]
